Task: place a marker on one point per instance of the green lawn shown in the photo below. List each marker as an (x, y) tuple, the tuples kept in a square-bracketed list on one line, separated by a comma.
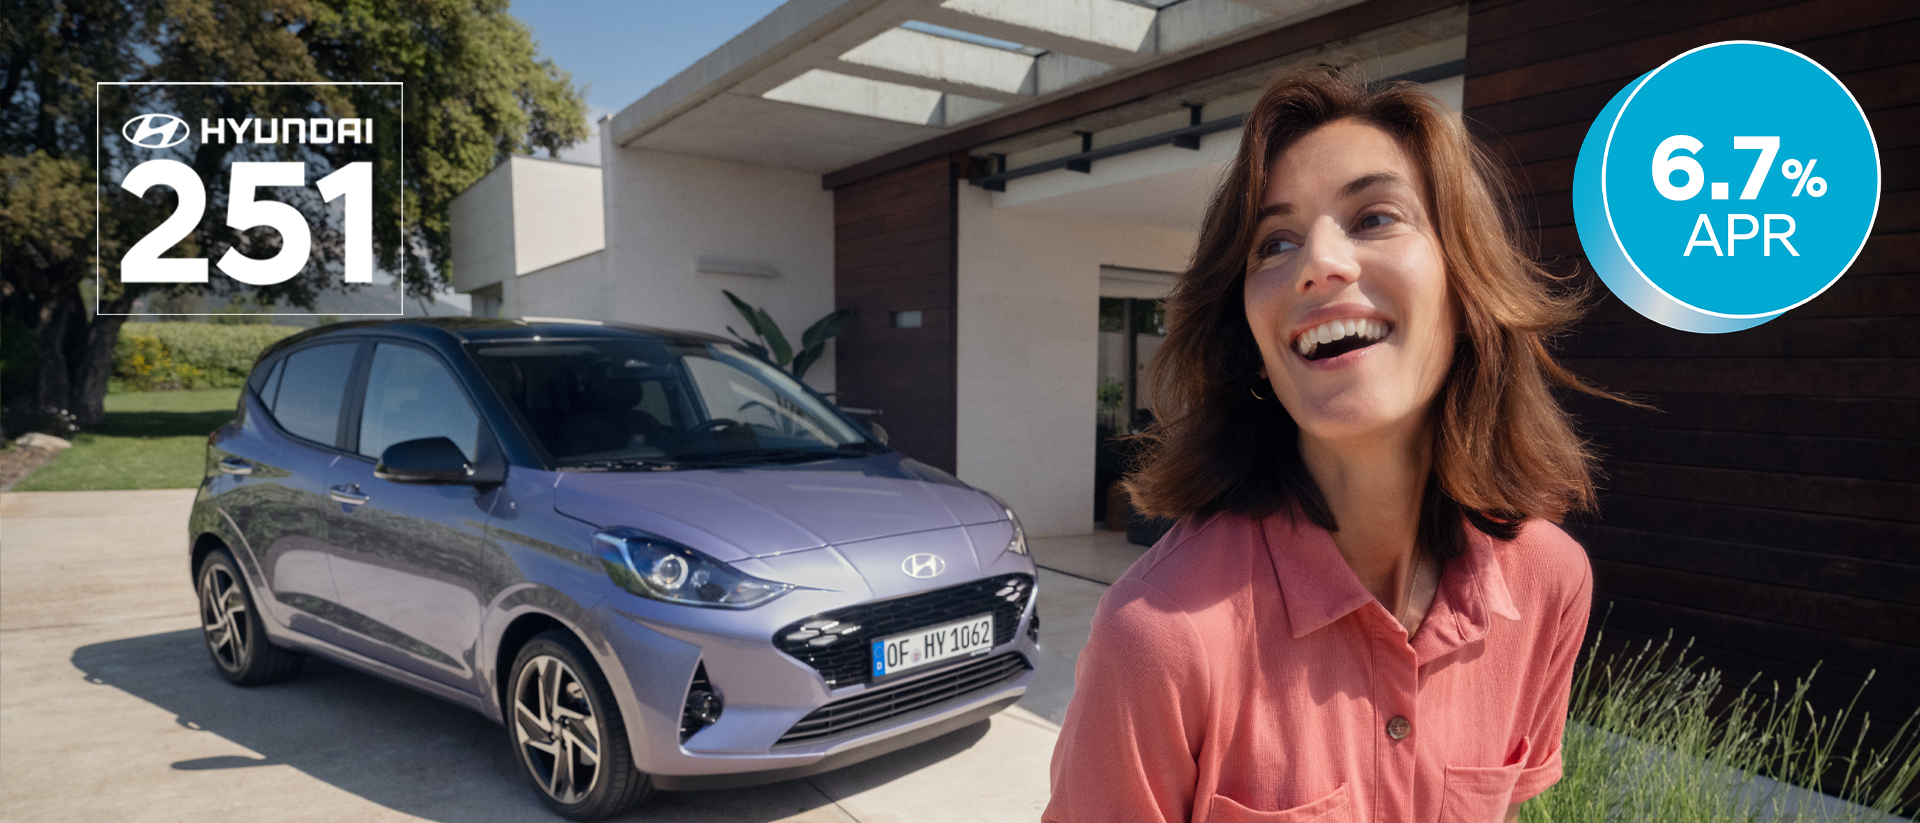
[(150, 440)]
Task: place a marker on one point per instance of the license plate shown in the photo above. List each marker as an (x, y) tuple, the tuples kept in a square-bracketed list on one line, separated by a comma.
[(961, 638)]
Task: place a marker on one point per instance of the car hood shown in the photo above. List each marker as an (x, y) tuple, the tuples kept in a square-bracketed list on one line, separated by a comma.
[(733, 514)]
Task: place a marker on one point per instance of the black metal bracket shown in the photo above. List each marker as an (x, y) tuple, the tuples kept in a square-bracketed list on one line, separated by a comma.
[(1083, 161)]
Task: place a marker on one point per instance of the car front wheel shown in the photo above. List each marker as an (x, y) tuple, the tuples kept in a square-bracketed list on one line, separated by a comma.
[(236, 635), (567, 732)]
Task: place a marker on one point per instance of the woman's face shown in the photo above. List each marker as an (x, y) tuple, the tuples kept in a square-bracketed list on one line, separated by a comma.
[(1346, 289)]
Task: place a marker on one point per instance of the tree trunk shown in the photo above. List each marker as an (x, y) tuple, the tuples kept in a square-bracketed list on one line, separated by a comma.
[(50, 335), (94, 364)]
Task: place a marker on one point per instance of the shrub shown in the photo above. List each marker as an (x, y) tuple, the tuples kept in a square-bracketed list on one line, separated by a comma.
[(1649, 739), (215, 355), (142, 363)]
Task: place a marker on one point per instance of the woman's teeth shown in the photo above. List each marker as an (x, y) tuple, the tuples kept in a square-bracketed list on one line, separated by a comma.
[(1362, 332)]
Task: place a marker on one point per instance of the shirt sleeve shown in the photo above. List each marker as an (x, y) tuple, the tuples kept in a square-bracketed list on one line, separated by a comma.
[(1549, 720), (1133, 732)]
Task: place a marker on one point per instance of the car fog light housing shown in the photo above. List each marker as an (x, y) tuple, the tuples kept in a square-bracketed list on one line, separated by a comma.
[(703, 705), (655, 567)]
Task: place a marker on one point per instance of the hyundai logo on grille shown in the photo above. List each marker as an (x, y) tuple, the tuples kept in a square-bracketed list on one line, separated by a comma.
[(156, 131), (923, 565)]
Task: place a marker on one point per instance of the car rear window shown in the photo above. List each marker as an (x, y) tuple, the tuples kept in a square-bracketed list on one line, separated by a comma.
[(311, 387)]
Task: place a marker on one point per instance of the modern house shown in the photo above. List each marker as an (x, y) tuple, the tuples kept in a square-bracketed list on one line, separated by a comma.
[(974, 177)]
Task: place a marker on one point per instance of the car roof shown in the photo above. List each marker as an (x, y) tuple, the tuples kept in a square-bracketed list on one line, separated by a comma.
[(489, 329)]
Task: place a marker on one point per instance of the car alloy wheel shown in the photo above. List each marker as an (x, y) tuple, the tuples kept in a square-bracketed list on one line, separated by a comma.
[(223, 615), (236, 637), (567, 731), (556, 729)]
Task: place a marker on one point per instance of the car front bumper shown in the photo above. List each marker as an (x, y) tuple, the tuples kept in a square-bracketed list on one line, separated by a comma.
[(767, 692)]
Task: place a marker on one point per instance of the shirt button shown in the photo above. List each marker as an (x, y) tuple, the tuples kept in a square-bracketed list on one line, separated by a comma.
[(1398, 727)]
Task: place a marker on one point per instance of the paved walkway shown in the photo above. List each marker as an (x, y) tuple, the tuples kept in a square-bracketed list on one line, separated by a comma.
[(112, 711)]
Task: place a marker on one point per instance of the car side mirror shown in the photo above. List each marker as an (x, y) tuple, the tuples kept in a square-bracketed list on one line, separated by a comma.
[(433, 460), (879, 432)]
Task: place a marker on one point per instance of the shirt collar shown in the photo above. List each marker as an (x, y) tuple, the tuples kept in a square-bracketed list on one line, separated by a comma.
[(1319, 588)]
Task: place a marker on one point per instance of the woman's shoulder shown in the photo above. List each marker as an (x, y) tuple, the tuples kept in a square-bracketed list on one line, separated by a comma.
[(1197, 545), (1199, 565), (1544, 564)]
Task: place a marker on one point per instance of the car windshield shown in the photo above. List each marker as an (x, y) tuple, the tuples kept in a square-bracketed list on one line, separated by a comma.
[(662, 404)]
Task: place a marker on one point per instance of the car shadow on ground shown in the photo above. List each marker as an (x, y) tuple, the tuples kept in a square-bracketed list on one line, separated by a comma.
[(412, 753)]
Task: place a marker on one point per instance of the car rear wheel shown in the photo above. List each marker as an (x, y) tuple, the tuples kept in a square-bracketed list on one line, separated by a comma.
[(567, 732), (236, 636)]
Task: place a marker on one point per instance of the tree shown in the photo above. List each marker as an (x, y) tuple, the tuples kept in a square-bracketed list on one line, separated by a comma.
[(475, 91)]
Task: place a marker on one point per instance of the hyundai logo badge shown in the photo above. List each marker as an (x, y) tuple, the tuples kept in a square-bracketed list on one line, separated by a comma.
[(156, 131), (923, 565)]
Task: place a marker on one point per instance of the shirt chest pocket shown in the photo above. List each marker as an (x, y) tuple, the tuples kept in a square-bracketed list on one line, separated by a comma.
[(1334, 808), (1480, 794)]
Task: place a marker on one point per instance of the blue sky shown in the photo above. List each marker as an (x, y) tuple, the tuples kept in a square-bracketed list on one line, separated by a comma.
[(625, 49)]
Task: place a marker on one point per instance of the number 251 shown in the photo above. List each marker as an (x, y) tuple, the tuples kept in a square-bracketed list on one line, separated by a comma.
[(143, 263)]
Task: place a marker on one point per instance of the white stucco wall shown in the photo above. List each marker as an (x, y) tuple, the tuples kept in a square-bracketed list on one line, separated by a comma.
[(558, 212), (1028, 351), (526, 215), (667, 213), (481, 224)]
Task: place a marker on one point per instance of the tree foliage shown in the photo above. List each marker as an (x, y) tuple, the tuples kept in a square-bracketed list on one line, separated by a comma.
[(476, 90)]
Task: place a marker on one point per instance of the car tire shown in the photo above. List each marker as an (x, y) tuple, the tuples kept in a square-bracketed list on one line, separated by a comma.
[(235, 633), (560, 713)]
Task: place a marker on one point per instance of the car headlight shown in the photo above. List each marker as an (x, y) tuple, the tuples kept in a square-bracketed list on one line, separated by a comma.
[(1019, 543), (652, 566)]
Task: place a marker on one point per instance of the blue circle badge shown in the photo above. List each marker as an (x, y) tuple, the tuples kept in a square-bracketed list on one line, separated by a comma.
[(1733, 183)]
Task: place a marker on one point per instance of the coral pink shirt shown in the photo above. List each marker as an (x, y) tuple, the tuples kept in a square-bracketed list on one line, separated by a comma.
[(1241, 672)]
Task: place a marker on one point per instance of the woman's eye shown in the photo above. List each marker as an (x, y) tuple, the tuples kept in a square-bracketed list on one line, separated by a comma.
[(1377, 221), (1277, 245)]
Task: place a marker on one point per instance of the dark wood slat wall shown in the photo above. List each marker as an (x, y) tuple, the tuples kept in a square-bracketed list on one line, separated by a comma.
[(1772, 509), (894, 251)]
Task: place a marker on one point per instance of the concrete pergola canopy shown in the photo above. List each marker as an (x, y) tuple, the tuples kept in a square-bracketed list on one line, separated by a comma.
[(822, 84)]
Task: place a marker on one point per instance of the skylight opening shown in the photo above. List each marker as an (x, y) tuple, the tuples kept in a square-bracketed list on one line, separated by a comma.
[(976, 39)]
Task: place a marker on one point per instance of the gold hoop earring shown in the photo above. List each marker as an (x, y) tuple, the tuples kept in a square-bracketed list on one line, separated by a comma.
[(1256, 395)]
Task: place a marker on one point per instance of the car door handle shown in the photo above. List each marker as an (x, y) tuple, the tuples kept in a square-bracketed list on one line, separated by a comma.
[(234, 465), (349, 495)]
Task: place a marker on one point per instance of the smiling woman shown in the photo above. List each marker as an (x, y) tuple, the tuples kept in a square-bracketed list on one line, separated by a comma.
[(1365, 612)]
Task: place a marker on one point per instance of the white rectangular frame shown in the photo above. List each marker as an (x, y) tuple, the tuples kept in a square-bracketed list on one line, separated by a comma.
[(99, 277)]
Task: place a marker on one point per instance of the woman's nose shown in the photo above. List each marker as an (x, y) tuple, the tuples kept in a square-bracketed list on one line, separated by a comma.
[(1327, 258)]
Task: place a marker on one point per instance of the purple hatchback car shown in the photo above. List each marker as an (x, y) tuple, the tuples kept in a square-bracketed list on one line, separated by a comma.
[(659, 561)]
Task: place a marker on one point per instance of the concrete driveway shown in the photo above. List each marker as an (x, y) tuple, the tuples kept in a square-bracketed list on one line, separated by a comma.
[(110, 709)]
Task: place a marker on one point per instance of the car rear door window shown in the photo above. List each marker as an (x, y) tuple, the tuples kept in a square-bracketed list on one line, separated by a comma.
[(411, 395), (311, 389), (266, 382)]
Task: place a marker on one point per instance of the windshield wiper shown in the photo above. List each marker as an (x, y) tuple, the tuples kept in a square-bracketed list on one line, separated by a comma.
[(761, 457), (625, 464)]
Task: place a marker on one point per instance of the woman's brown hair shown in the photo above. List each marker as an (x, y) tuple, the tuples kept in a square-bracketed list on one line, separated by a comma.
[(1503, 449)]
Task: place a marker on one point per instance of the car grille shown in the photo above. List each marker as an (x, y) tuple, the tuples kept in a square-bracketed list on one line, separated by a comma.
[(845, 659), (886, 702)]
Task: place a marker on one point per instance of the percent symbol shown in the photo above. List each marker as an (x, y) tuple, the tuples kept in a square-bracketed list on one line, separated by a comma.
[(1816, 186)]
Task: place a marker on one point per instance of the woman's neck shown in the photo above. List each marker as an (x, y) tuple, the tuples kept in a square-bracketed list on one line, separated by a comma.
[(1374, 490)]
